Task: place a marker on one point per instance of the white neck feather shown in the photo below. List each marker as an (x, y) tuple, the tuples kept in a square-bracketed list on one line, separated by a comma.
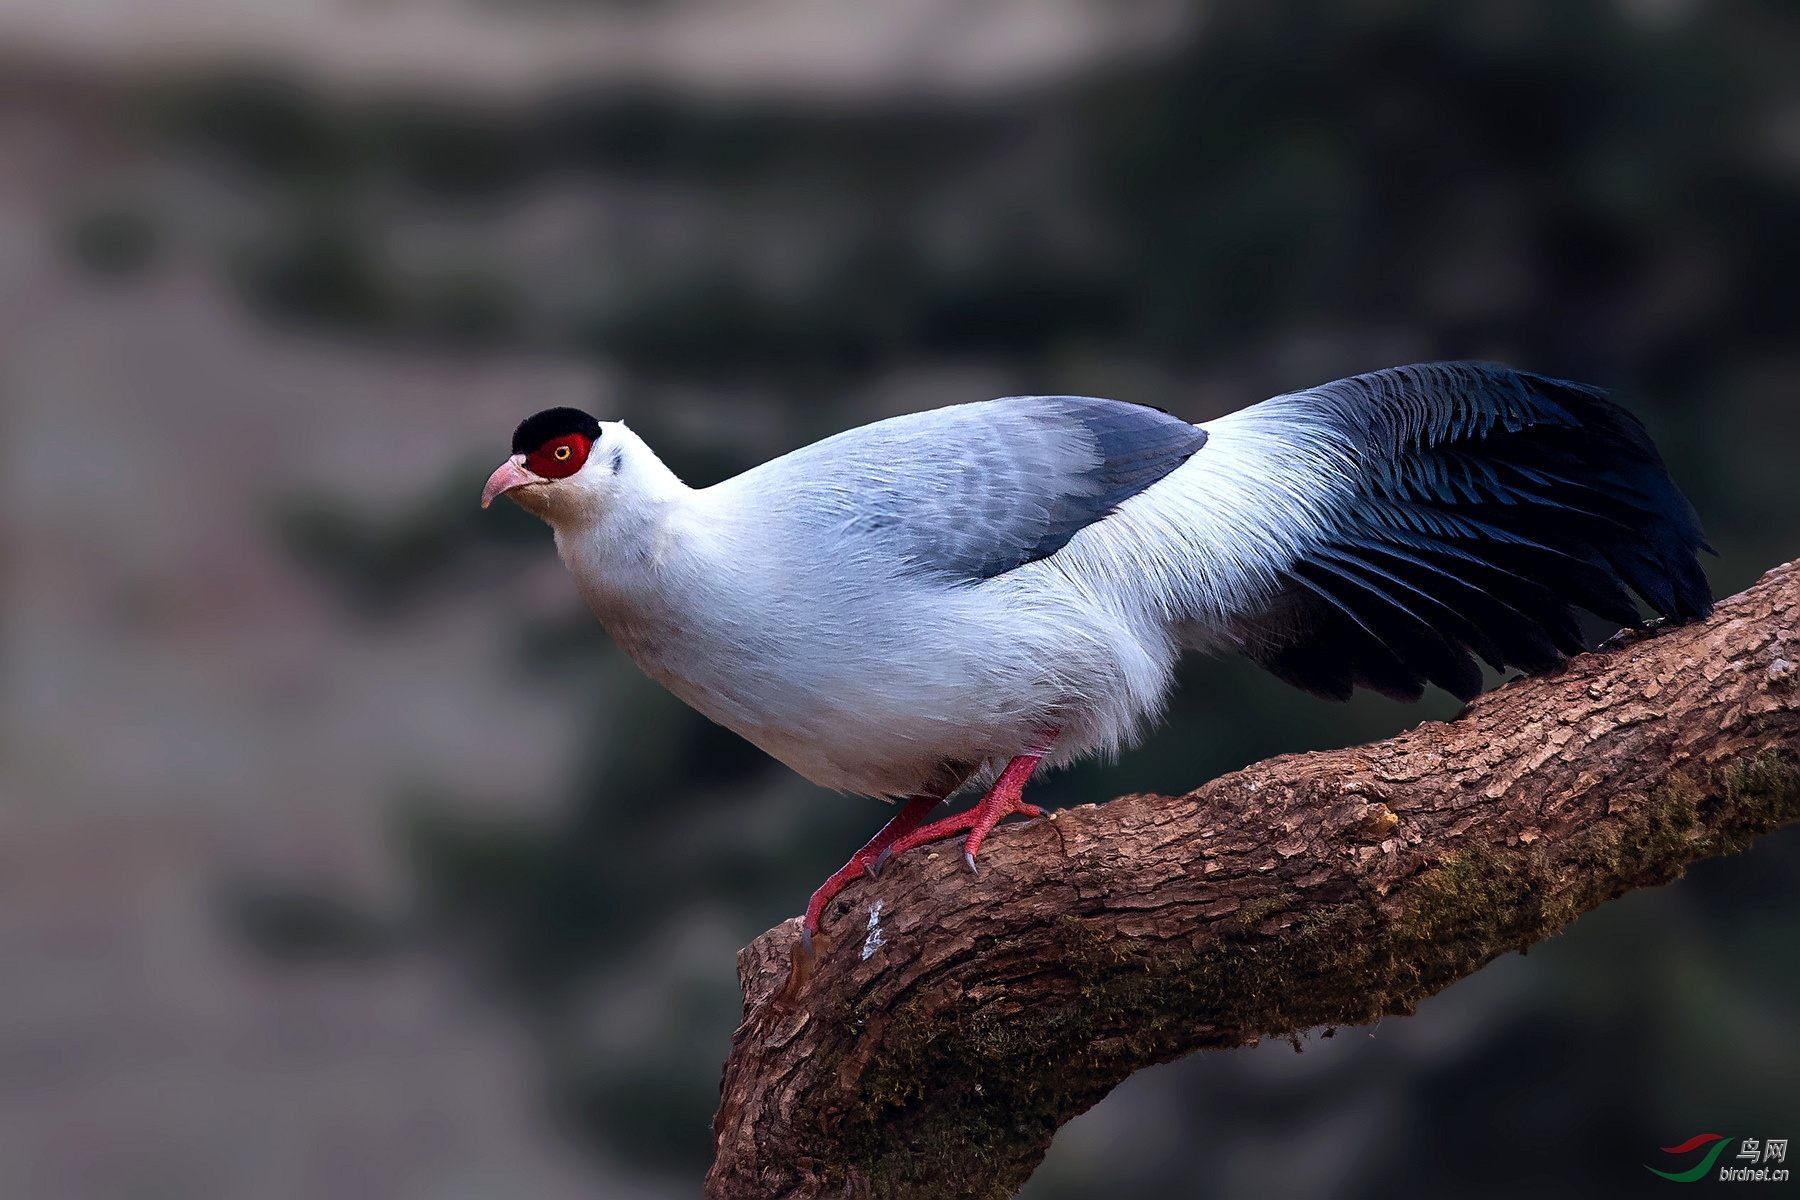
[(621, 529)]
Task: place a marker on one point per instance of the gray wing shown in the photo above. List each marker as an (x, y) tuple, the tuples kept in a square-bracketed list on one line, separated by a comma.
[(975, 490)]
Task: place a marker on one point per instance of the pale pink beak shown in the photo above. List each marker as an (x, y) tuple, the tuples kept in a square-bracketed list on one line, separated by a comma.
[(511, 474)]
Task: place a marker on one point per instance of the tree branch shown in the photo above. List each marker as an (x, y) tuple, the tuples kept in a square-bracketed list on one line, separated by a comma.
[(959, 1021)]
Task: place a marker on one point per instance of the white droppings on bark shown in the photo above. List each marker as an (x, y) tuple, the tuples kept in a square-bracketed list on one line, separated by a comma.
[(873, 942)]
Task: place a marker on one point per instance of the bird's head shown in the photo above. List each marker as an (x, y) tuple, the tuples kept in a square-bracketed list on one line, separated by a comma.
[(563, 465)]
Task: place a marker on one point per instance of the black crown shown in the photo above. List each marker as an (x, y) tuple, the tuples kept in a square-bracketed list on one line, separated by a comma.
[(539, 428)]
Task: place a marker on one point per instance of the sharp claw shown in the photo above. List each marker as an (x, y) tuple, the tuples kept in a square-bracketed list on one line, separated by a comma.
[(806, 940), (969, 861), (881, 863), (871, 870)]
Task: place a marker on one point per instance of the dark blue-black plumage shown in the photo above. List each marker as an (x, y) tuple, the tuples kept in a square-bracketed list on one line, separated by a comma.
[(1493, 503)]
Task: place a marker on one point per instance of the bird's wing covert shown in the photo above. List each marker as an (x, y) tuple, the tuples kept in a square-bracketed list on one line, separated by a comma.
[(972, 491), (1477, 506)]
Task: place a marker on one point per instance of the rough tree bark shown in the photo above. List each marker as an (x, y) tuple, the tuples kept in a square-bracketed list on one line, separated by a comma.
[(957, 1021)]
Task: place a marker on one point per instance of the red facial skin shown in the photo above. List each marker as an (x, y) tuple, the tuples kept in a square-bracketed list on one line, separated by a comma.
[(557, 458), (560, 457)]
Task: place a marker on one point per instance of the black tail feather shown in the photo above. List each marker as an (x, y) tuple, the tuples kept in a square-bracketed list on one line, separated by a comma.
[(1498, 502)]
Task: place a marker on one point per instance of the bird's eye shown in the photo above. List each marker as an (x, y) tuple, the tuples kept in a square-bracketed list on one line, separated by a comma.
[(561, 458)]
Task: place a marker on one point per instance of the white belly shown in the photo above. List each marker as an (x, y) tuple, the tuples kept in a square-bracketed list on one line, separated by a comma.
[(927, 676)]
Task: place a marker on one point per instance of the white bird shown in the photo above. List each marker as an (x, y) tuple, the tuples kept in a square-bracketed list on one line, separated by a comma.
[(974, 592)]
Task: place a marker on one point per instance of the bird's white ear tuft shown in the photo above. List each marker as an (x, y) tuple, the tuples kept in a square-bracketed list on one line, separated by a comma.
[(627, 459), (609, 452)]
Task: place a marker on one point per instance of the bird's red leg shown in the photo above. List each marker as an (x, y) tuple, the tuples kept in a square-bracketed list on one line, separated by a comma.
[(1001, 801), (902, 834), (802, 959), (903, 823)]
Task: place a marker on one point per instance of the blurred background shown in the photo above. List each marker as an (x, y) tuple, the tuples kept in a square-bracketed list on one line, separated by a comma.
[(340, 853)]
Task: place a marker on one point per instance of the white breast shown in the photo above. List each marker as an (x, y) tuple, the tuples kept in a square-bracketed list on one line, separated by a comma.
[(856, 674)]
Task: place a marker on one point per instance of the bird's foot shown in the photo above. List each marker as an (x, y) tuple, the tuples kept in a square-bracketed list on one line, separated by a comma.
[(1001, 801), (896, 837), (863, 861), (902, 834)]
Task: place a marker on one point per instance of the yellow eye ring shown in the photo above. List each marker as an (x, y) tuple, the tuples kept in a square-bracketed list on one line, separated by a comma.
[(561, 453)]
